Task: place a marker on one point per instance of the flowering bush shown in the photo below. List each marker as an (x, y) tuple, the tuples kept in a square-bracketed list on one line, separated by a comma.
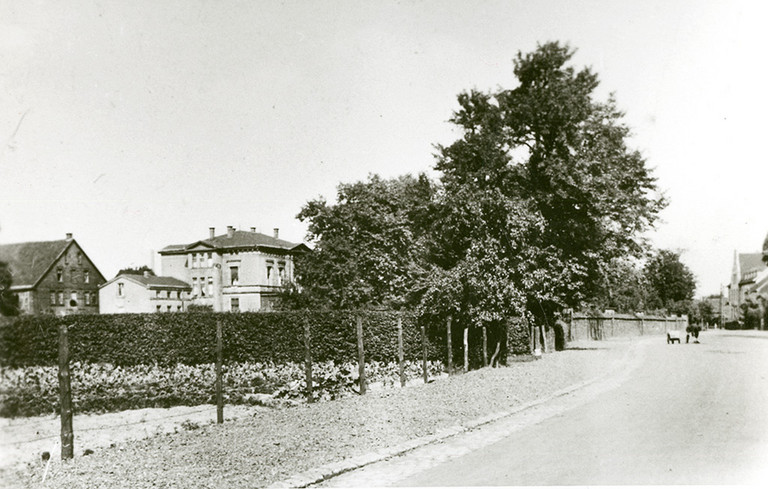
[(100, 387)]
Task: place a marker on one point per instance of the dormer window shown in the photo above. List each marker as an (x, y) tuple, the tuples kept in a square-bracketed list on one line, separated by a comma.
[(87, 276), (59, 275)]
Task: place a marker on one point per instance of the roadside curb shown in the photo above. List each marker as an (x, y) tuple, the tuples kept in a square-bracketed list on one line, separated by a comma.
[(325, 472)]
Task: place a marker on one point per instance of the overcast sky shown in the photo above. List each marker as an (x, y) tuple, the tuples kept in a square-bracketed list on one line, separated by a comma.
[(135, 125)]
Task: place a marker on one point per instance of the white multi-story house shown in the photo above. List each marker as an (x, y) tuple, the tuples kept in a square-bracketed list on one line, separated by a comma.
[(236, 271), (130, 293)]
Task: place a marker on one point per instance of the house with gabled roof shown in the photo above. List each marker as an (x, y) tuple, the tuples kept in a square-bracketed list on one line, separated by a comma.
[(143, 293), (53, 277), (236, 271)]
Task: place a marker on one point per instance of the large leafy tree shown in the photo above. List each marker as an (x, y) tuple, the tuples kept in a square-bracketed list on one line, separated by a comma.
[(543, 174), (671, 283), (367, 251)]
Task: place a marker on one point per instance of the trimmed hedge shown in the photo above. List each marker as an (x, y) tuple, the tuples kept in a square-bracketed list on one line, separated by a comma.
[(190, 338)]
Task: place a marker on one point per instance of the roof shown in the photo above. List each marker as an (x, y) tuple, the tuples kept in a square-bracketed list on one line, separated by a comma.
[(761, 282), (30, 261), (239, 240), (751, 261), (152, 281)]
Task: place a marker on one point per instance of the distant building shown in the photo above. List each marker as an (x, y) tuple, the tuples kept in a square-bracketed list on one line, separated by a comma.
[(236, 271), (749, 277), (53, 277), (132, 293)]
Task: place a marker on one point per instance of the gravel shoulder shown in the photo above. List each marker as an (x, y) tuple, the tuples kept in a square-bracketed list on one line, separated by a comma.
[(259, 446)]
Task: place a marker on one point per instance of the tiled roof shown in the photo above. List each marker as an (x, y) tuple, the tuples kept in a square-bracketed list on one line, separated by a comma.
[(153, 280), (29, 261), (750, 261), (239, 239)]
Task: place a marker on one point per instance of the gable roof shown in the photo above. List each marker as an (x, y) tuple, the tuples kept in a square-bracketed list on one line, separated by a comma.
[(751, 261), (30, 261), (151, 281), (239, 240)]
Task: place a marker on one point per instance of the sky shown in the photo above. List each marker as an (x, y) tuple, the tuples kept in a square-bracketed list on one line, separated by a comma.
[(135, 125)]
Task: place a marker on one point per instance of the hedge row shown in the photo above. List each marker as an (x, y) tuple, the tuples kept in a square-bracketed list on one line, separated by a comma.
[(190, 338)]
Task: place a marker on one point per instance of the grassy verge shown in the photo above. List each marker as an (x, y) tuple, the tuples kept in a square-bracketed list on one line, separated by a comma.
[(276, 444)]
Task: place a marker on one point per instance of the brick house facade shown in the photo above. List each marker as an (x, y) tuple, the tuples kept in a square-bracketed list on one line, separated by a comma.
[(53, 277)]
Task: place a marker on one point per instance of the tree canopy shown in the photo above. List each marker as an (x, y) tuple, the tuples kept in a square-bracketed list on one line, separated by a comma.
[(136, 270), (538, 203), (671, 283), (543, 174), (367, 251)]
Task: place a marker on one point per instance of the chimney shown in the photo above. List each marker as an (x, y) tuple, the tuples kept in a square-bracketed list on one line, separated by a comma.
[(211, 233), (253, 229), (230, 232), (276, 232), (69, 235)]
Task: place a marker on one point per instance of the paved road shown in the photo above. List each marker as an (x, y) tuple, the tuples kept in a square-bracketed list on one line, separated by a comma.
[(677, 414)]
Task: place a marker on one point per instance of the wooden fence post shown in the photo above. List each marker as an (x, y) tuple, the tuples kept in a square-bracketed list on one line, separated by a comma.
[(360, 354), (219, 393), (466, 350), (424, 353), (450, 347), (400, 353), (485, 348), (308, 360), (65, 396)]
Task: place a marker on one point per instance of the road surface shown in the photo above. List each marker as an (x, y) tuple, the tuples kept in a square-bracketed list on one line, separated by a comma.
[(676, 414)]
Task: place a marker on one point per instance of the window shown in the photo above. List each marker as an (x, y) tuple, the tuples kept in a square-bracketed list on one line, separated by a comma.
[(53, 298), (87, 298), (167, 308), (210, 285), (60, 298), (178, 308), (66, 258), (157, 294), (79, 258), (87, 276), (157, 308), (120, 290), (234, 276), (195, 289), (59, 275), (210, 260), (280, 275), (269, 273), (234, 304), (73, 299)]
